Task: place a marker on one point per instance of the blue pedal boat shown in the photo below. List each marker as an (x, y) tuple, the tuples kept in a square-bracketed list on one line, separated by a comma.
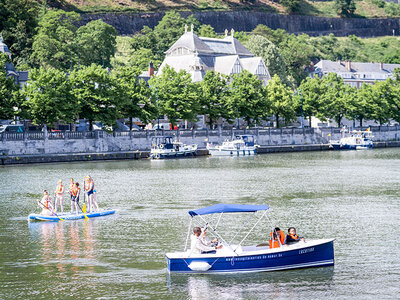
[(239, 258)]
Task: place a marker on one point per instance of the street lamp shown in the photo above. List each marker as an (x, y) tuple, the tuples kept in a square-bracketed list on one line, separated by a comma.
[(301, 99), (158, 112)]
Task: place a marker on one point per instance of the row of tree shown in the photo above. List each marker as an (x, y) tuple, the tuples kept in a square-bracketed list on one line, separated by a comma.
[(96, 94)]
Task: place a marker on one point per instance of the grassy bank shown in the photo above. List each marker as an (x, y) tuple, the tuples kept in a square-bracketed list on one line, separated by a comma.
[(365, 8)]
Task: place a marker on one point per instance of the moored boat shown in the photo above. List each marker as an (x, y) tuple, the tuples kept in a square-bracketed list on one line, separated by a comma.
[(167, 147), (69, 216), (237, 258), (354, 140), (240, 145)]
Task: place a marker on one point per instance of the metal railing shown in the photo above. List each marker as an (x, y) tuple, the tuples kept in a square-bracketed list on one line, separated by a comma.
[(71, 135)]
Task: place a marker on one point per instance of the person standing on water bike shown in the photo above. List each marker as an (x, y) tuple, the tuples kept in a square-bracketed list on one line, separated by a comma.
[(75, 198), (59, 199)]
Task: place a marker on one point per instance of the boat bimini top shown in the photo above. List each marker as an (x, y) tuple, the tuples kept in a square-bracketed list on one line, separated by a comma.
[(221, 209)]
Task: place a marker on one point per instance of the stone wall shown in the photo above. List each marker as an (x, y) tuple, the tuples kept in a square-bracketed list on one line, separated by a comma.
[(127, 24), (100, 142)]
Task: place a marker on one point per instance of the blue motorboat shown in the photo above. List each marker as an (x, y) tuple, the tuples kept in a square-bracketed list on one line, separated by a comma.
[(236, 258)]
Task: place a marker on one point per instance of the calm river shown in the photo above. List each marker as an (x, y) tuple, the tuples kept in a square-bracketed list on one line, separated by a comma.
[(351, 196)]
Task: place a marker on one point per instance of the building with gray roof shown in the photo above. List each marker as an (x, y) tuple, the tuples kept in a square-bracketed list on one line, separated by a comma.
[(355, 73), (197, 55), (21, 77)]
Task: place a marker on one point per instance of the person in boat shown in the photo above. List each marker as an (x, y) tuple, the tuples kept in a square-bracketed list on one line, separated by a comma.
[(46, 204), (75, 198), (197, 243), (205, 240), (292, 237), (59, 193), (277, 238)]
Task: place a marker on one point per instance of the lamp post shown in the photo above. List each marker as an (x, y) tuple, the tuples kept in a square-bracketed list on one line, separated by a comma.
[(301, 112), (158, 110)]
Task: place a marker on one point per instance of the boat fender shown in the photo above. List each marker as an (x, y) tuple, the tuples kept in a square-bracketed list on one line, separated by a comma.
[(199, 266)]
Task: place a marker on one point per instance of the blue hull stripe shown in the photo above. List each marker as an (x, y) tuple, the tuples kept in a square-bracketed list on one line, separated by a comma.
[(281, 268)]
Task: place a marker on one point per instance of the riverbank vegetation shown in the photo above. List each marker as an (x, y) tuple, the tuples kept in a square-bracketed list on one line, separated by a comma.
[(78, 66)]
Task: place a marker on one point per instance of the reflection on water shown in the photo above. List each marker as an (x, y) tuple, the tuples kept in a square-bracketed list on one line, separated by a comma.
[(350, 196), (236, 286)]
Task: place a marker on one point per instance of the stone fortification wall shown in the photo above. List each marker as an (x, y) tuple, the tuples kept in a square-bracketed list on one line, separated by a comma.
[(127, 24), (100, 142)]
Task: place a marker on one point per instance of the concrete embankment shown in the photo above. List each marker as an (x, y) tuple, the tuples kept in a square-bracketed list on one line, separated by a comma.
[(134, 155), (79, 157)]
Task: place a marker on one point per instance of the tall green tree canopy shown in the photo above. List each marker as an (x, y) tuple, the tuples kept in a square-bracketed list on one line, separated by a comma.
[(98, 95), (55, 44), (261, 46), (246, 99), (310, 92), (135, 93), (214, 97), (177, 95), (345, 8), (18, 22), (49, 98), (96, 43), (280, 99)]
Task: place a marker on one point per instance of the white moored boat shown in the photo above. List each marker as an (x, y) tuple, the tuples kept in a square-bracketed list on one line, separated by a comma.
[(354, 140), (166, 147), (240, 145)]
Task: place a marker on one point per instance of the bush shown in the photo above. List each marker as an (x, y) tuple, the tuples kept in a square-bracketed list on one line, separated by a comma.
[(379, 3)]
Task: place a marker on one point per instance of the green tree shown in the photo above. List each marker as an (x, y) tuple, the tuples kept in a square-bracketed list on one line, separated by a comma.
[(310, 90), (96, 42), (206, 30), (140, 59), (280, 99), (291, 5), (97, 93), (386, 102), (275, 36), (49, 98), (134, 95), (18, 22), (54, 45), (178, 96), (274, 61), (334, 102), (9, 91), (246, 98), (360, 103), (345, 8), (214, 96)]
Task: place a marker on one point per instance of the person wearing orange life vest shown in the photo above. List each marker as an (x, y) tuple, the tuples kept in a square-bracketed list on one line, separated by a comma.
[(59, 196), (70, 188), (46, 204), (292, 237), (75, 198), (277, 238)]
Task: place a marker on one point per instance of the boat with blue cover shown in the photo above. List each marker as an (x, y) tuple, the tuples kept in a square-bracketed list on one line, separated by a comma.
[(237, 258), (69, 216)]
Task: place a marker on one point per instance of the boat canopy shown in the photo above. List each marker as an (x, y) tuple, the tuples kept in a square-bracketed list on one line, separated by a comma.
[(227, 208)]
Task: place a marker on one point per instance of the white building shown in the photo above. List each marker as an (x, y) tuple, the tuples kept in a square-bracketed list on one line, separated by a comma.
[(197, 55)]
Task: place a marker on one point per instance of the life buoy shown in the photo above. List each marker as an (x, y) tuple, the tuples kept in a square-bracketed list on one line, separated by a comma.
[(162, 146)]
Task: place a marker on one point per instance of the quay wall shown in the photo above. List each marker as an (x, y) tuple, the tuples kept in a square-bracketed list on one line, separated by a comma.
[(39, 143)]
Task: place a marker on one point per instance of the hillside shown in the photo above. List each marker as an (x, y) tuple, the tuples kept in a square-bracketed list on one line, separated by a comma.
[(364, 8)]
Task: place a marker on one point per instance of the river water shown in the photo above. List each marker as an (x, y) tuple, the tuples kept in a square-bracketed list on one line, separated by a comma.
[(351, 196)]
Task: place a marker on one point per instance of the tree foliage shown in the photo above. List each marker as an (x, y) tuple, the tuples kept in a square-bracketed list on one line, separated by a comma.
[(49, 97), (177, 94), (97, 95), (345, 8)]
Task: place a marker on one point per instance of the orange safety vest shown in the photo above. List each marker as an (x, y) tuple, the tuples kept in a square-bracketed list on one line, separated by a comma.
[(46, 203), (86, 185), (59, 189), (75, 191), (281, 237), (295, 237), (274, 244), (71, 186)]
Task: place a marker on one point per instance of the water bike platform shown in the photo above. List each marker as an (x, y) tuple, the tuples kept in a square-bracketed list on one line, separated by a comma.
[(69, 216)]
